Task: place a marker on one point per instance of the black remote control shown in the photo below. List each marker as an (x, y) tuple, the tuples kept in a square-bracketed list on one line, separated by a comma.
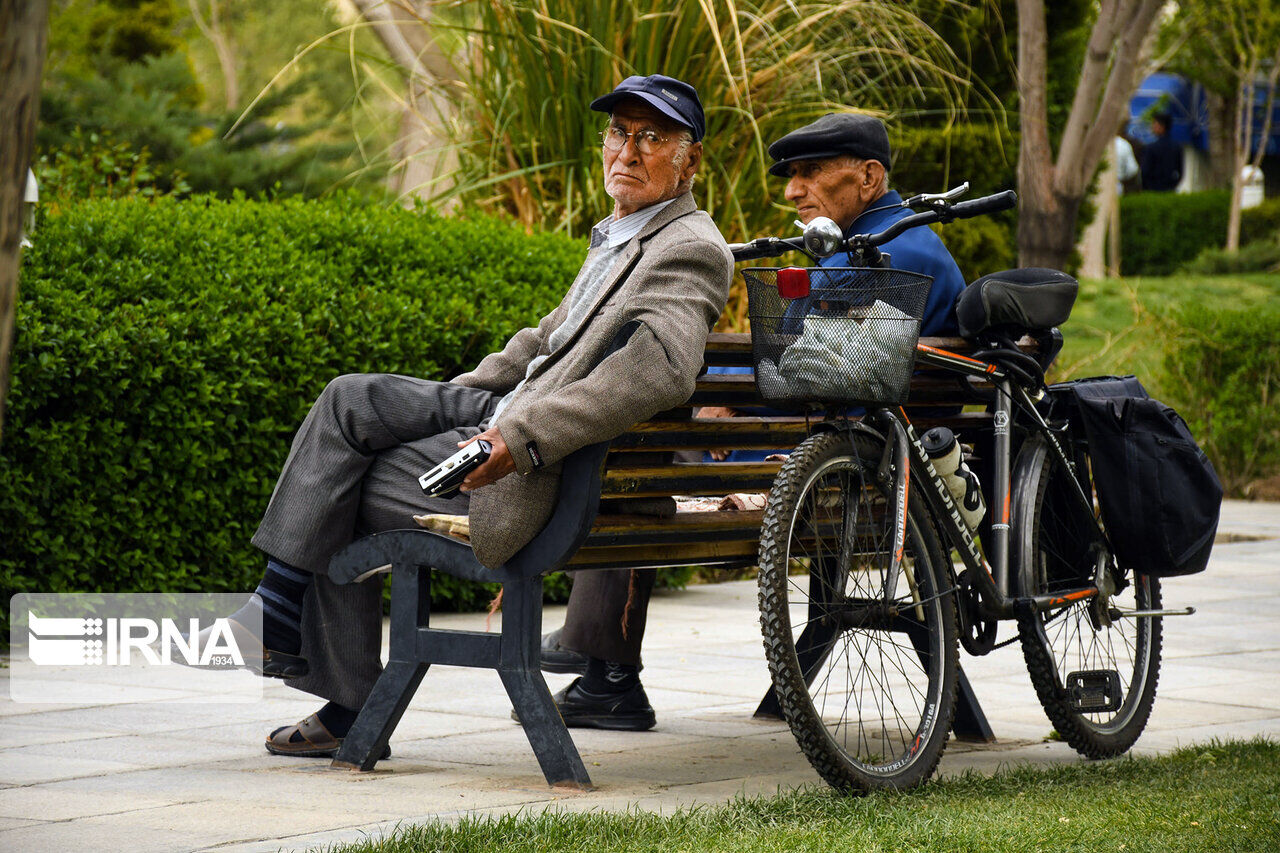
[(443, 480)]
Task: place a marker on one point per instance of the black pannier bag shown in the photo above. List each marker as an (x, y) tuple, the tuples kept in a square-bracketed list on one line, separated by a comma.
[(1159, 495)]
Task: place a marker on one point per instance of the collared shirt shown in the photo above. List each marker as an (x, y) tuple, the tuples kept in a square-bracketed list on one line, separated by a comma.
[(615, 232), (607, 239)]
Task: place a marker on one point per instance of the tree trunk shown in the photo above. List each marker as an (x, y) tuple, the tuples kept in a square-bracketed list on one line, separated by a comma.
[(1221, 139), (23, 31), (1051, 189), (1046, 236), (423, 158), (213, 30)]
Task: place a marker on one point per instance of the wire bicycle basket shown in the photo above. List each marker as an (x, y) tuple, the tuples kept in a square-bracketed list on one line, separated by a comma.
[(835, 335)]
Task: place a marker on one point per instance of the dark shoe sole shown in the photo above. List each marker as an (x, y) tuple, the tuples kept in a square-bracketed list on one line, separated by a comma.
[(316, 753), (611, 722), (564, 662), (281, 665)]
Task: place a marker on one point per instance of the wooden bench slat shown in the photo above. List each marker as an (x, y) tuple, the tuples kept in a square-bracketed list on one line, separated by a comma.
[(612, 531), (752, 433), (705, 553), (688, 478)]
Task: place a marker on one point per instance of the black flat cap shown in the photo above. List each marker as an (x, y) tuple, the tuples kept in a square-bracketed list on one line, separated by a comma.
[(833, 135), (675, 99)]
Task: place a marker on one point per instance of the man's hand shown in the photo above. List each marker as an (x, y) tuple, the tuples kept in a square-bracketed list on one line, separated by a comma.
[(498, 465), (718, 412)]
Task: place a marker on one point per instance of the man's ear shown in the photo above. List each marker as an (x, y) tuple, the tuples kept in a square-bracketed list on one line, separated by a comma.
[(692, 160), (872, 180)]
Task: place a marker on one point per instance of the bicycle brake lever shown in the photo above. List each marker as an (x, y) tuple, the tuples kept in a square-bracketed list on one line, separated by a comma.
[(935, 199)]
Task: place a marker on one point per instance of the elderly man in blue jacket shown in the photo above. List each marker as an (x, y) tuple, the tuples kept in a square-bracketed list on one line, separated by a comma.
[(838, 167)]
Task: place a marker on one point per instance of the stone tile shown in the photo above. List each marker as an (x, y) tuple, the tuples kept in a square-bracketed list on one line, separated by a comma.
[(59, 802), (18, 732), (1175, 713), (19, 767)]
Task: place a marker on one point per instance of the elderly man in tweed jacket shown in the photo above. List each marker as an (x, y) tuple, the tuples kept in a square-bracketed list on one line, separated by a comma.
[(657, 267)]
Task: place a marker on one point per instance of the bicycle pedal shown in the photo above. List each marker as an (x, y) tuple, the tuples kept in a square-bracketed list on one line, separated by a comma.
[(1094, 691)]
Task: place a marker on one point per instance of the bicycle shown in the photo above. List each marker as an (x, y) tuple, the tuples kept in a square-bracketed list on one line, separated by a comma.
[(862, 608)]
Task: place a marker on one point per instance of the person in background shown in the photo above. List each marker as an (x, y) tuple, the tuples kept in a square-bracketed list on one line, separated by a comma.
[(1162, 159)]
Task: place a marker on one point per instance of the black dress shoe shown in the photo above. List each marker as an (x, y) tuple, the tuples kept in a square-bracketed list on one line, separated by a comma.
[(556, 658), (628, 711)]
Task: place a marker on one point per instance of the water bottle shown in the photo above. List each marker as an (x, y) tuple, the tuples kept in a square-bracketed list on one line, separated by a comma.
[(944, 452)]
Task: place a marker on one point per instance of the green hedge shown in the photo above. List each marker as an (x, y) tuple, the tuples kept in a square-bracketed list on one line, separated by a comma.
[(167, 351), (1160, 232), (1225, 365), (1261, 223)]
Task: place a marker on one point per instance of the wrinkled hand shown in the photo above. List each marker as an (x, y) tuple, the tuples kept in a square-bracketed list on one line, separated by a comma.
[(498, 465), (718, 455)]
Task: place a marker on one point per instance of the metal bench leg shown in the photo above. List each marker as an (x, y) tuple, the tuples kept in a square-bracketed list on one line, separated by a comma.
[(812, 647), (519, 669), (364, 744), (970, 722), (557, 754)]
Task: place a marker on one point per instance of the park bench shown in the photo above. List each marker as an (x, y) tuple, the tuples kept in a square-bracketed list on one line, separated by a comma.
[(579, 537)]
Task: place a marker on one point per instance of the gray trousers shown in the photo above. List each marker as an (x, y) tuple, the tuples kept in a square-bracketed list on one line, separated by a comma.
[(353, 470)]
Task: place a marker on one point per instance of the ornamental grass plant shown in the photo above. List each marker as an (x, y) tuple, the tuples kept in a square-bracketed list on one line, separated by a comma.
[(526, 140)]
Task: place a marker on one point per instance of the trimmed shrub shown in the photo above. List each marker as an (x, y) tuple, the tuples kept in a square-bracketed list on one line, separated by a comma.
[(1260, 223), (1258, 256), (167, 351), (1223, 376), (1159, 232)]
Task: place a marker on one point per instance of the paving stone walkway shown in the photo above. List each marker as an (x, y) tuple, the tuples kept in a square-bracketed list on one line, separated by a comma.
[(154, 776)]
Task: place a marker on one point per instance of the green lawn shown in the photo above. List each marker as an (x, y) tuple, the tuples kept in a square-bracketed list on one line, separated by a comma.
[(1116, 325), (1220, 798)]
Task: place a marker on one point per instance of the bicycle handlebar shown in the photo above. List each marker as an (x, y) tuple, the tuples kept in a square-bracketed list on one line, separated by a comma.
[(987, 204), (766, 247), (772, 247)]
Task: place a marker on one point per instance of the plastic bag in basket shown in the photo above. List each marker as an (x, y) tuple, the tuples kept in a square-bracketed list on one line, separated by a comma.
[(836, 358)]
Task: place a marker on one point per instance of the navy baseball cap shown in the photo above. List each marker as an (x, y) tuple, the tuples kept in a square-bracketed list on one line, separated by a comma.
[(675, 99), (832, 135)]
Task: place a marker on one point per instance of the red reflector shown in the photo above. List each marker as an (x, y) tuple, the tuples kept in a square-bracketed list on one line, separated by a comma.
[(793, 283)]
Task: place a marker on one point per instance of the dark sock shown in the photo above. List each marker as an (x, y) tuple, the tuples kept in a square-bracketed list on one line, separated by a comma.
[(604, 677), (281, 591), (338, 719)]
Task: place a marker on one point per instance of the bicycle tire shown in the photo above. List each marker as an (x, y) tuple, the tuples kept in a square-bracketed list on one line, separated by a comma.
[(903, 700), (1052, 539)]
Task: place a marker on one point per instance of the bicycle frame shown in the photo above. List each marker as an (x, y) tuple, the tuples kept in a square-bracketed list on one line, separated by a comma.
[(904, 445)]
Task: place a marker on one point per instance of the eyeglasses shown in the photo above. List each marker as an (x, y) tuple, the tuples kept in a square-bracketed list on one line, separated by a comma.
[(647, 141)]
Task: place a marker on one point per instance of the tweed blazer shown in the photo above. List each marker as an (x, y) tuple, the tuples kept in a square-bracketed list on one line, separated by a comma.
[(671, 280)]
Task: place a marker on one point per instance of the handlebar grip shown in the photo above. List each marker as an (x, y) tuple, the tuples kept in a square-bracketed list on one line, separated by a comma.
[(764, 247), (987, 204)]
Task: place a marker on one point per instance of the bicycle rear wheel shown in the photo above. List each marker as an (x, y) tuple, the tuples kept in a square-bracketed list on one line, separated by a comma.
[(867, 686), (1094, 673)]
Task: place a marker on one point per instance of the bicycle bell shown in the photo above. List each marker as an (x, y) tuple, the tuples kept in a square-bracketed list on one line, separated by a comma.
[(822, 237)]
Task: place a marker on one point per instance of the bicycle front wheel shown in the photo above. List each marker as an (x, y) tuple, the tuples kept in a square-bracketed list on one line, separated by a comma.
[(1094, 671), (866, 682)]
